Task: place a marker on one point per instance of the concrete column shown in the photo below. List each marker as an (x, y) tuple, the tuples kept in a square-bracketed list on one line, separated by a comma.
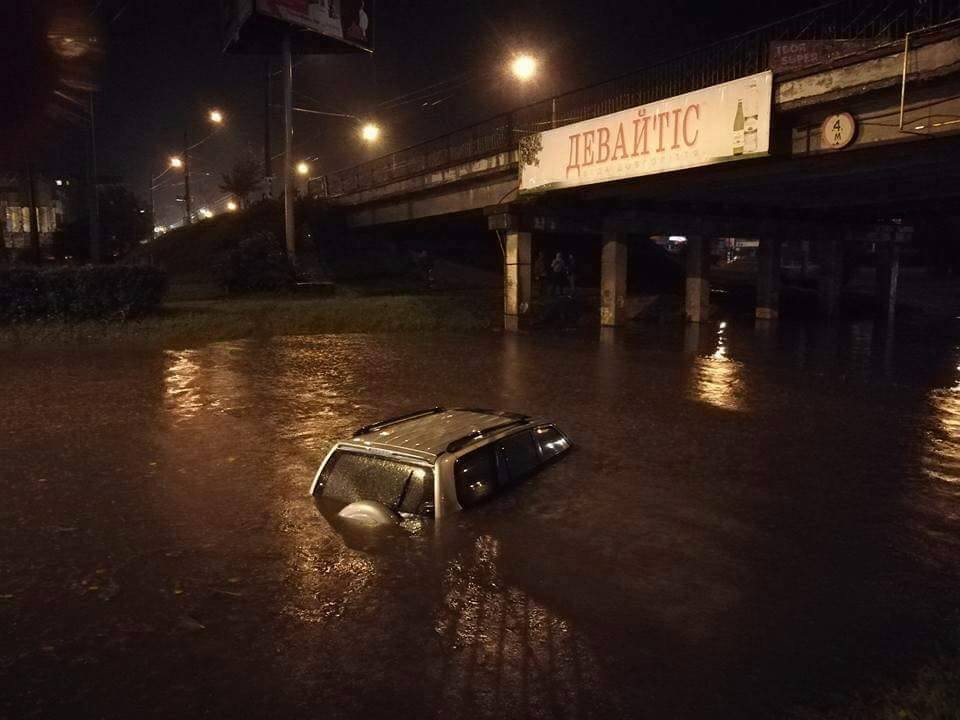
[(698, 283), (613, 280), (888, 272), (831, 275), (768, 278), (517, 279)]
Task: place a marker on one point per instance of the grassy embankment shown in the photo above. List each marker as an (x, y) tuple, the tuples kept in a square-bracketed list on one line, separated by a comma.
[(377, 292), (189, 323)]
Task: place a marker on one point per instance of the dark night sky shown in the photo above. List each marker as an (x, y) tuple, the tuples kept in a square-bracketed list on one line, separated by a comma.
[(161, 68)]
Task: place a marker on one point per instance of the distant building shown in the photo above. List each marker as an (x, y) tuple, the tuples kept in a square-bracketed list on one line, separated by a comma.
[(55, 202)]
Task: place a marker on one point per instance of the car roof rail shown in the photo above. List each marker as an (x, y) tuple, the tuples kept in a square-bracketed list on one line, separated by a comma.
[(461, 443), (399, 419), (498, 413)]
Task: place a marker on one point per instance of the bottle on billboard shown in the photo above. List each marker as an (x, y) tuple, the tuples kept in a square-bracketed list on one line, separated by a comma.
[(751, 120), (738, 123)]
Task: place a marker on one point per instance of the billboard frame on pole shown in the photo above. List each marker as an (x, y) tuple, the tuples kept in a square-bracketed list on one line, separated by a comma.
[(315, 27)]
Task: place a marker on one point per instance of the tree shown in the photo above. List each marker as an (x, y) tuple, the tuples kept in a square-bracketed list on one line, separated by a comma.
[(243, 179), (124, 222)]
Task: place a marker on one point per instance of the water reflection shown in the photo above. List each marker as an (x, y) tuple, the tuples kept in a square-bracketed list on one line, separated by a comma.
[(503, 649), (941, 460), (208, 379), (717, 378), (180, 386)]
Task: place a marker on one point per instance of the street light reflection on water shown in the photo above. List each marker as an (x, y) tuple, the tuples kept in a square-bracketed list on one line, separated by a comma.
[(717, 379), (941, 460)]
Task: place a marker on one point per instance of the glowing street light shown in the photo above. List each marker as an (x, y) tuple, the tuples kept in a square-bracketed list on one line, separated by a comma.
[(524, 67), (205, 213), (232, 206), (370, 132), (216, 117), (303, 169), (176, 162)]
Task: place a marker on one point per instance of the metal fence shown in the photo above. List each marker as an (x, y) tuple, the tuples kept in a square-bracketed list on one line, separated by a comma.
[(877, 21)]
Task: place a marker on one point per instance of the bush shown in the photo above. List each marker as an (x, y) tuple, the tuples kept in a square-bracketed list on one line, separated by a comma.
[(258, 263), (92, 292)]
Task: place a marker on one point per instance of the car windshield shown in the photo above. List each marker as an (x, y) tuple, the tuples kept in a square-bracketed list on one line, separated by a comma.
[(350, 477)]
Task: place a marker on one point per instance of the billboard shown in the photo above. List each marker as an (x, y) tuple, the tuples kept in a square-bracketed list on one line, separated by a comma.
[(717, 124), (318, 26), (346, 20)]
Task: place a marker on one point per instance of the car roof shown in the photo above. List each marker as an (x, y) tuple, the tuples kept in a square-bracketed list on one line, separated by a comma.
[(438, 430)]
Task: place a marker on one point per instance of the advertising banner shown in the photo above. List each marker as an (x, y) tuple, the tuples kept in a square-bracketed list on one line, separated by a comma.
[(790, 55), (345, 20), (717, 124)]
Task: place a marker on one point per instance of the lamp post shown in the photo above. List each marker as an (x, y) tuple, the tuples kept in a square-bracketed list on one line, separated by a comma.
[(369, 131), (289, 224), (216, 118)]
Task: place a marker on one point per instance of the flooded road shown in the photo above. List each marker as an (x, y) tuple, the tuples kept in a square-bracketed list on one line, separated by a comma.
[(750, 521)]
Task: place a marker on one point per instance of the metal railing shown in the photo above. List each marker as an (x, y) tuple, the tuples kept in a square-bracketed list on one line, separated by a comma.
[(878, 21)]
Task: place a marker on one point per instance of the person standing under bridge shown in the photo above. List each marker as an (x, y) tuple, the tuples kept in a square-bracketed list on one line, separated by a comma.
[(540, 274), (558, 271)]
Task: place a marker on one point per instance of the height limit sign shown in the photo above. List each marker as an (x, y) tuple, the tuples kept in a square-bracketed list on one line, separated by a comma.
[(837, 131)]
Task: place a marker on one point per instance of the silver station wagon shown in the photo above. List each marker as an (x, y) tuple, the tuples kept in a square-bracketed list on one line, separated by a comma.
[(434, 462)]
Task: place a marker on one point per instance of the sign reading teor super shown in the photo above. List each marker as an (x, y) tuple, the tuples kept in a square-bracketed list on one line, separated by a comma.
[(717, 124)]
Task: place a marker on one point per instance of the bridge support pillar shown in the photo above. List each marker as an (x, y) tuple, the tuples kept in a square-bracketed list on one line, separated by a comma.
[(613, 279), (888, 272), (517, 278), (768, 278), (831, 275), (698, 282)]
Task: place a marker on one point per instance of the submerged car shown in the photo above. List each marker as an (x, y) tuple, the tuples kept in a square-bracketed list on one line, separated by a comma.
[(434, 462)]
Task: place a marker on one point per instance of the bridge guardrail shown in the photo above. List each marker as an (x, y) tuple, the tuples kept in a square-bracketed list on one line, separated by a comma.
[(865, 20)]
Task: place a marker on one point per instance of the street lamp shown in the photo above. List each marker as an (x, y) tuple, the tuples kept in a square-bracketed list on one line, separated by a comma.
[(370, 132), (176, 162), (216, 118), (303, 169), (524, 67), (231, 206)]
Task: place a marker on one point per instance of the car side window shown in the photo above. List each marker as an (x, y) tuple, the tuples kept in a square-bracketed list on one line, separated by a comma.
[(551, 441), (476, 476), (519, 453)]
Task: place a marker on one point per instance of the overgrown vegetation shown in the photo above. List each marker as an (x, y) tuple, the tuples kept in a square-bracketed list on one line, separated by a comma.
[(244, 179), (258, 264), (193, 323), (933, 694), (69, 293)]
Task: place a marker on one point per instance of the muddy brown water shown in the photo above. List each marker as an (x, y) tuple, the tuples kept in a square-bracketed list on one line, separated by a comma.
[(751, 521)]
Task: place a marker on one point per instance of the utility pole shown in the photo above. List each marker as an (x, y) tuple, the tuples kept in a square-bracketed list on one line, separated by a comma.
[(93, 193), (288, 219), (186, 178), (34, 213), (267, 159)]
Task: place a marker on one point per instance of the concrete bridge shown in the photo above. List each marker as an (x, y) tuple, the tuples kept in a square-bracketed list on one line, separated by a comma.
[(864, 143)]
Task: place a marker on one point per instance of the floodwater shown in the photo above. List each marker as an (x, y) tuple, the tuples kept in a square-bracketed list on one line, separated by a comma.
[(752, 520)]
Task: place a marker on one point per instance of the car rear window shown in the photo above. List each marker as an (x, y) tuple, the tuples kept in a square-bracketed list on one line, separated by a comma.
[(350, 477), (551, 442), (476, 476)]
